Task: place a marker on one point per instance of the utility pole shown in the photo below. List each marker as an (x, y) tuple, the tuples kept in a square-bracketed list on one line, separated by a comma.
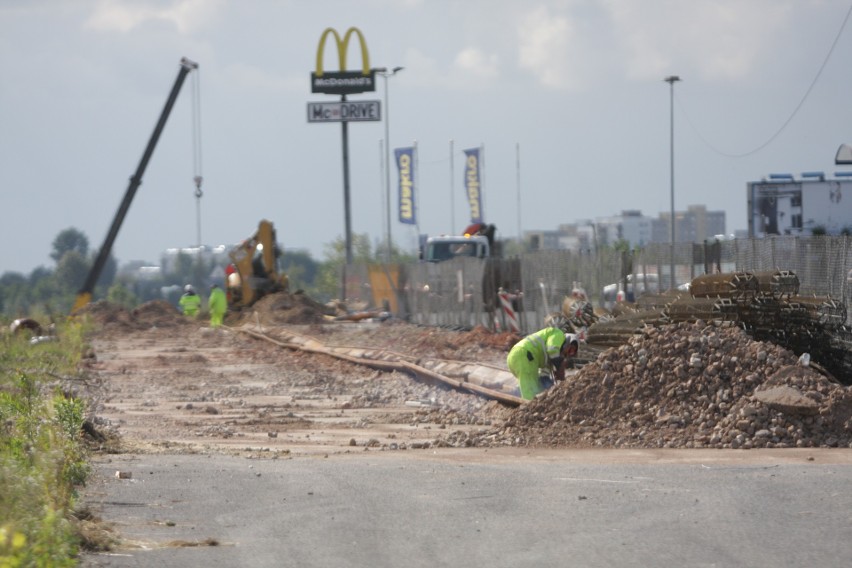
[(385, 74), (671, 80)]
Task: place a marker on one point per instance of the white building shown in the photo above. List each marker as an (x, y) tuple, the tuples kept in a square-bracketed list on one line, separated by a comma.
[(783, 205)]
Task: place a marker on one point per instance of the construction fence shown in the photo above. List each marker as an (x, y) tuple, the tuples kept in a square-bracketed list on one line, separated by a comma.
[(518, 293)]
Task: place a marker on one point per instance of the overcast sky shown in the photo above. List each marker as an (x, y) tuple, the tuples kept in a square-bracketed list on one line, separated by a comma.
[(576, 85)]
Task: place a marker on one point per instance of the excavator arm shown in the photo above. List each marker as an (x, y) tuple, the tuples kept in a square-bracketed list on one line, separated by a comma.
[(256, 263), (84, 296)]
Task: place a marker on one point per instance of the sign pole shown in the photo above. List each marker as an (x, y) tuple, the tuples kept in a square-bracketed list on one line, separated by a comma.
[(343, 82), (346, 201)]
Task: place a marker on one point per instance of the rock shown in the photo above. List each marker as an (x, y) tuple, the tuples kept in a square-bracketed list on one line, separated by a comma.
[(788, 400)]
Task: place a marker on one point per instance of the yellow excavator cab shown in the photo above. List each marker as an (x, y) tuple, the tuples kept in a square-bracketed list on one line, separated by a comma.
[(255, 268)]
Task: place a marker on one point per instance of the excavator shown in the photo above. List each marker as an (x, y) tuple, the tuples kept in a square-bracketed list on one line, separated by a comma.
[(84, 295), (254, 272)]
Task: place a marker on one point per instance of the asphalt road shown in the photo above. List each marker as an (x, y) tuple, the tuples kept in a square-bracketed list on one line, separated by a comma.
[(469, 508)]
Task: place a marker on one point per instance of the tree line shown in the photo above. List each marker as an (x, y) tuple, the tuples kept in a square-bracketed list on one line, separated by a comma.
[(49, 292)]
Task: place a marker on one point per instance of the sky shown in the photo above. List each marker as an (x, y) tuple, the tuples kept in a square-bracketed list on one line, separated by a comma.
[(565, 98)]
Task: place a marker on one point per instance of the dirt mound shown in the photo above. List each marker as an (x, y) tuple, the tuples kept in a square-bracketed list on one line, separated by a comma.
[(487, 339), (284, 308), (685, 386), (107, 315), (158, 313), (113, 317)]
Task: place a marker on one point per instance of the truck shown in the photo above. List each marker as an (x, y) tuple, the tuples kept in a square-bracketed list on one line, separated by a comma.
[(477, 241)]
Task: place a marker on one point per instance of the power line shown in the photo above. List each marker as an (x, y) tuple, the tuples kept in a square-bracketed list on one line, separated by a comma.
[(792, 115)]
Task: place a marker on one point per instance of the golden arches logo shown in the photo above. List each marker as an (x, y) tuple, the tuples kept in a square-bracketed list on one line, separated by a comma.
[(342, 48)]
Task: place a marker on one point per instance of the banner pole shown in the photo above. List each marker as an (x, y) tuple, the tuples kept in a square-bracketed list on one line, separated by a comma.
[(452, 193)]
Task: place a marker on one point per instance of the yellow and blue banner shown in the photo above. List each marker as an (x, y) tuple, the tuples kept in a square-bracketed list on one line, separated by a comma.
[(404, 158), (472, 184)]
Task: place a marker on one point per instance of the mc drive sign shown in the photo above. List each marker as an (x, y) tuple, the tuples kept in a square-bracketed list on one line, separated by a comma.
[(344, 111)]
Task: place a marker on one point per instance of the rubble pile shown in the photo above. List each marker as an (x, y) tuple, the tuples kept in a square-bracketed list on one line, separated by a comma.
[(114, 317), (158, 313), (685, 385), (284, 308)]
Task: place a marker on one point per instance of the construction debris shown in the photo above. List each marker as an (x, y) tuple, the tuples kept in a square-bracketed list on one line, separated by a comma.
[(684, 385), (767, 305)]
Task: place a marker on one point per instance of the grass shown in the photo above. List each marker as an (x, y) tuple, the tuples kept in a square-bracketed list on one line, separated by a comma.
[(43, 458)]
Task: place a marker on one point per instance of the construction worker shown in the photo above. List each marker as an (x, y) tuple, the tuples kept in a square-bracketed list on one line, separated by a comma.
[(548, 348), (217, 304), (190, 302)]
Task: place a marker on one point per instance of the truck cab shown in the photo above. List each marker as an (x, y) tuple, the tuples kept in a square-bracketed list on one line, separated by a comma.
[(443, 248)]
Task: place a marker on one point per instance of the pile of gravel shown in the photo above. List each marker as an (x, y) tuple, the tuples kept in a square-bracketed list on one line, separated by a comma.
[(686, 385)]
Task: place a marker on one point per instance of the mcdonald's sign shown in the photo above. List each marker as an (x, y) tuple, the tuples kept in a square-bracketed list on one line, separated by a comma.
[(343, 82)]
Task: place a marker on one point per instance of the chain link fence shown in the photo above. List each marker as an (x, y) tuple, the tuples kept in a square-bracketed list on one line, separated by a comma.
[(463, 293)]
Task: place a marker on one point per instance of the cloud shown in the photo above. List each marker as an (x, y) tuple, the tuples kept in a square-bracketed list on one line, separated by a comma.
[(715, 39), (123, 16), (474, 62), (544, 40), (572, 44)]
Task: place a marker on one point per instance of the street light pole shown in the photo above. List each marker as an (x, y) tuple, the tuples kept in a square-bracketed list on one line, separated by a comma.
[(385, 74), (671, 81)]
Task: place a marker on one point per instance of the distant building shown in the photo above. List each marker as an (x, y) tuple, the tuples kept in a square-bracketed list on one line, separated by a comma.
[(636, 228), (783, 205), (218, 254), (542, 240), (696, 224)]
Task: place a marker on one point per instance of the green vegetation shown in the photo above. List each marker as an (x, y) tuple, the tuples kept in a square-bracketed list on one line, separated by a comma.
[(42, 456)]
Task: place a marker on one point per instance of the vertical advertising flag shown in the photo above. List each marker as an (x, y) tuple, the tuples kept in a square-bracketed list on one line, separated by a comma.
[(405, 167), (472, 184)]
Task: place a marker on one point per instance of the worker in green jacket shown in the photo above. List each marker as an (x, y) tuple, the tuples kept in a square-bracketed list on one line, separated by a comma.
[(217, 304), (190, 302), (548, 348)]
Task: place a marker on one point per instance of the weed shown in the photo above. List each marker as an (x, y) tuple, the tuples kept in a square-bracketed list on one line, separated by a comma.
[(42, 458)]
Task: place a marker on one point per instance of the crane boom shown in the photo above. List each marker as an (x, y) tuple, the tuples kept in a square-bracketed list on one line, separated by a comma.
[(84, 296)]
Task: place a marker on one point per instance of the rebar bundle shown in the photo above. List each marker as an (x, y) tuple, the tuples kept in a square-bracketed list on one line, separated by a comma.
[(693, 309), (777, 282), (725, 285), (766, 304)]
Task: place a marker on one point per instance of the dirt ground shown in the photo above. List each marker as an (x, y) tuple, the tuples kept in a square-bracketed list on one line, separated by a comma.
[(159, 382)]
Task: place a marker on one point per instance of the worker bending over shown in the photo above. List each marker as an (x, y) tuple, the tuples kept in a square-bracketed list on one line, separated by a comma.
[(549, 348), (190, 302)]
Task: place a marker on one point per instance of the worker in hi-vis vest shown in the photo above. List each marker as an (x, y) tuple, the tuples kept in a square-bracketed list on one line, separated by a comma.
[(549, 348), (190, 302), (217, 303)]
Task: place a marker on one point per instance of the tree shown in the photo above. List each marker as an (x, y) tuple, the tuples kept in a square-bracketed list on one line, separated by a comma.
[(188, 269), (300, 268), (13, 292), (328, 282), (108, 272), (119, 294), (71, 272), (68, 240), (621, 245)]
